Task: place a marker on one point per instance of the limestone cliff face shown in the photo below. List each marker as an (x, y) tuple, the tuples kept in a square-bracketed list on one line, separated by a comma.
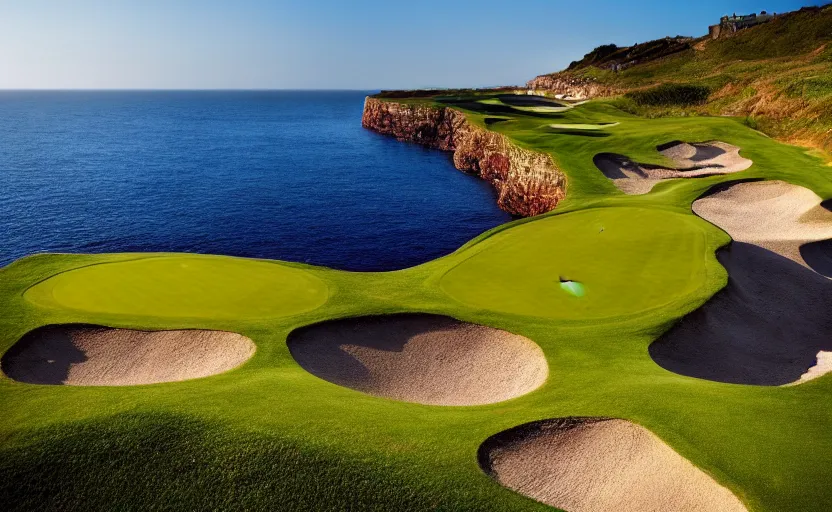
[(528, 183), (571, 86)]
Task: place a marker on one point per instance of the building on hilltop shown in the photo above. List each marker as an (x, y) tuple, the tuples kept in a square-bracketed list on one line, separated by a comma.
[(731, 24)]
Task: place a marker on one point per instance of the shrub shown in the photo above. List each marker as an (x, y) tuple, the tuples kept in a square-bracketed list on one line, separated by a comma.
[(671, 94)]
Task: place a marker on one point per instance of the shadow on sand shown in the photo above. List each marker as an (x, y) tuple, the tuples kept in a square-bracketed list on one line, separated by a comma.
[(765, 327), (42, 356)]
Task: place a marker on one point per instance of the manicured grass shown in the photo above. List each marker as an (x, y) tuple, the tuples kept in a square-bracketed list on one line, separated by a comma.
[(269, 435), (183, 286), (520, 272), (543, 109)]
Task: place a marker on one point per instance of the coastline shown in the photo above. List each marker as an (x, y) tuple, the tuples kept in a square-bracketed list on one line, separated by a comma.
[(528, 183)]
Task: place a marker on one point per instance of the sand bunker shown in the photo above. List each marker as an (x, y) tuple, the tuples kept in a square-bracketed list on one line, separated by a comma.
[(598, 465), (818, 256), (100, 356), (769, 326), (781, 217), (690, 161), (544, 109), (426, 359)]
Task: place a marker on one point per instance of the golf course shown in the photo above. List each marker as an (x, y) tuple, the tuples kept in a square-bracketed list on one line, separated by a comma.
[(489, 379)]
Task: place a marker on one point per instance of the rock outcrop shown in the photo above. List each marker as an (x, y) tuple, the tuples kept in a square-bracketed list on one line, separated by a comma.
[(569, 86), (528, 183)]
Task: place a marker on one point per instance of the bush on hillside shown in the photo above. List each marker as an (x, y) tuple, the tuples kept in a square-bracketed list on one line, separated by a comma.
[(671, 95)]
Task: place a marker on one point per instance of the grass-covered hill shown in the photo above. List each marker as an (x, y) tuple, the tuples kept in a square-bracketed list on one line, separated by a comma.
[(778, 74)]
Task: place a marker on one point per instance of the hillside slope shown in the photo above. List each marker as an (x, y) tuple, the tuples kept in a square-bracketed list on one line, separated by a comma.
[(778, 74)]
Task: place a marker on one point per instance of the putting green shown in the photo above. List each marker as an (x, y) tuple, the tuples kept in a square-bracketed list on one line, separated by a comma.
[(579, 126), (184, 286), (624, 268)]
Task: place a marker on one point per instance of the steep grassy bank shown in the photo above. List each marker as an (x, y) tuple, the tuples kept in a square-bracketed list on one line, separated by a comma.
[(777, 75)]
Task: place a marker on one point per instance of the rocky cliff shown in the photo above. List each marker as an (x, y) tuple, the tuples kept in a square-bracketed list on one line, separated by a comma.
[(528, 183), (571, 86)]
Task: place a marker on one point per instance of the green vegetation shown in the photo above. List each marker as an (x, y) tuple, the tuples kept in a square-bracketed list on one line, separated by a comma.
[(609, 54), (670, 94), (517, 272), (269, 435), (779, 74)]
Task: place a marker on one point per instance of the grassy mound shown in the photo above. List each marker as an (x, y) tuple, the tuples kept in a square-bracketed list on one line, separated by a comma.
[(777, 74), (671, 95)]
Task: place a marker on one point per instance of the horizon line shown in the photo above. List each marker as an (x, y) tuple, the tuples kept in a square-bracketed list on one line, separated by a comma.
[(164, 89), (243, 89)]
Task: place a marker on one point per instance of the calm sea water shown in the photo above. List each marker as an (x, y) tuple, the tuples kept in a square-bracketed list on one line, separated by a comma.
[(284, 175)]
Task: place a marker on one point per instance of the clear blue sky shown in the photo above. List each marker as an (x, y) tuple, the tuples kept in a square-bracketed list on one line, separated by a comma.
[(324, 44)]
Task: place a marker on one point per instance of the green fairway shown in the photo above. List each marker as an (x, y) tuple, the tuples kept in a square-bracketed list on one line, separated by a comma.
[(270, 435)]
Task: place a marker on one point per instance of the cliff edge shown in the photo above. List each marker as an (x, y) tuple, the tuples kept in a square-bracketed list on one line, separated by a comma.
[(527, 183)]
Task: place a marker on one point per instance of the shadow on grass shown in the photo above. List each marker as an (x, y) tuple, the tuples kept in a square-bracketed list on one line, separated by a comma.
[(474, 105), (167, 461), (580, 133), (517, 100)]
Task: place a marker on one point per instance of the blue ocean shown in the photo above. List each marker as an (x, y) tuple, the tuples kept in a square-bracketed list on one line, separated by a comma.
[(276, 174)]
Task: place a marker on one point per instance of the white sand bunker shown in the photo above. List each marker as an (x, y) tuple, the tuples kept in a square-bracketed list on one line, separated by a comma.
[(599, 465), (784, 218), (689, 160), (101, 356), (426, 359), (769, 326)]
